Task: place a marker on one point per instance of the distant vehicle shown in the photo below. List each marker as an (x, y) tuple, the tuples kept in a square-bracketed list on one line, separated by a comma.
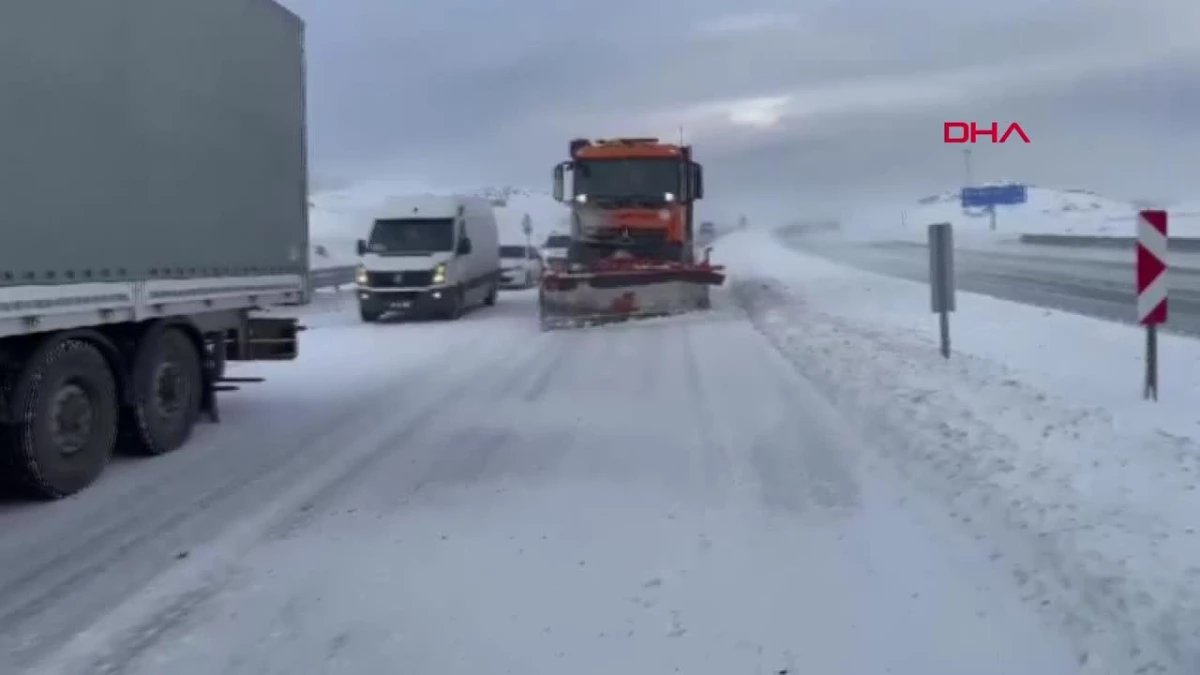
[(554, 250), (521, 266), (429, 255), (146, 216)]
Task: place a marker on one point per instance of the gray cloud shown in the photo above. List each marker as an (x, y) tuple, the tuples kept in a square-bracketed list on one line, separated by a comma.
[(791, 105)]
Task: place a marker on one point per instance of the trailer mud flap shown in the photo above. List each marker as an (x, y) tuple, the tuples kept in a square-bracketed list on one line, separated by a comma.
[(269, 339)]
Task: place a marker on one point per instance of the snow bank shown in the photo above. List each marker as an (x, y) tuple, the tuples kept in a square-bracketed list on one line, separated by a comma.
[(1048, 211), (1033, 432)]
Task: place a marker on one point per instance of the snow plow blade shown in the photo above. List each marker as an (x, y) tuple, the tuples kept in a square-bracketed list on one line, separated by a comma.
[(578, 299)]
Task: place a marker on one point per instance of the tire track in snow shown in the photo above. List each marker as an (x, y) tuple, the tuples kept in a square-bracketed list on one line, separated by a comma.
[(460, 381), (31, 601), (119, 646)]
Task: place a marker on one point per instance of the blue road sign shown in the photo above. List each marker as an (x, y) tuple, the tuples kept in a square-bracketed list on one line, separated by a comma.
[(994, 195)]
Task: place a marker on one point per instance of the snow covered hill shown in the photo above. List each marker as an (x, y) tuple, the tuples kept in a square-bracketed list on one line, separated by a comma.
[(512, 204), (1049, 211), (337, 218)]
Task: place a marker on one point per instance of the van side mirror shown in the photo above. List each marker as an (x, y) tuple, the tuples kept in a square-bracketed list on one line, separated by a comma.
[(464, 246), (362, 247)]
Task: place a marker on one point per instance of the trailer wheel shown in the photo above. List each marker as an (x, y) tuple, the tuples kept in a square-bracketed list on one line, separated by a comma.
[(168, 388), (66, 405)]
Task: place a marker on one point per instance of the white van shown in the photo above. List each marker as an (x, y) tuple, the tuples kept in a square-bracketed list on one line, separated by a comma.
[(429, 255), (520, 265)]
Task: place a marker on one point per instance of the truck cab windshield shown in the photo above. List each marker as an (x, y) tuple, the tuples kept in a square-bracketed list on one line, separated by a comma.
[(638, 180), (411, 236)]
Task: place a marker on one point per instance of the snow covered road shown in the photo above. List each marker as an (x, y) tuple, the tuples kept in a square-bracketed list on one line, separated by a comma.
[(480, 497), (1064, 279)]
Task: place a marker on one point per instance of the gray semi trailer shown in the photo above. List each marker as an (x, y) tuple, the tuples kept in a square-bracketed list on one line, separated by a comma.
[(153, 194)]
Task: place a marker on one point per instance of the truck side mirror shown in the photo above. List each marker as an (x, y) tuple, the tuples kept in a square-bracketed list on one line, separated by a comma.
[(697, 183), (362, 247), (559, 172), (464, 246)]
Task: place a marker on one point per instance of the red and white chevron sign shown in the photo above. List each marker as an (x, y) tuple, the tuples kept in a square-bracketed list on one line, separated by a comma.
[(1152, 267)]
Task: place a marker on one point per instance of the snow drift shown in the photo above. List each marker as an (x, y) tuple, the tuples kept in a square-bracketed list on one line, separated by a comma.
[(1033, 434)]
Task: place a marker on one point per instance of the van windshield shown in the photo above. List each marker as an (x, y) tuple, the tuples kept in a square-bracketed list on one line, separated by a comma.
[(557, 241), (513, 252), (411, 236)]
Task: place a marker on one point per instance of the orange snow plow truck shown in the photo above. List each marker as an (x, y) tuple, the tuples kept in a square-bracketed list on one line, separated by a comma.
[(633, 250)]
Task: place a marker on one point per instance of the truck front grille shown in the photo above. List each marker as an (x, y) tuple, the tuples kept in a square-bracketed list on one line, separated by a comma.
[(410, 279)]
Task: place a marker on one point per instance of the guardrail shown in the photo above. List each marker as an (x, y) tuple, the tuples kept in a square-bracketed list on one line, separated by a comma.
[(331, 277), (1190, 245)]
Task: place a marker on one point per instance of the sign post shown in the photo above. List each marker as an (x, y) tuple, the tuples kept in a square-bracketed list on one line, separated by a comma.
[(991, 196), (527, 230), (941, 278), (1151, 288)]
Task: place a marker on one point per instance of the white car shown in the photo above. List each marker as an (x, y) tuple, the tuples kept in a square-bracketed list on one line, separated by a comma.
[(554, 251), (520, 266)]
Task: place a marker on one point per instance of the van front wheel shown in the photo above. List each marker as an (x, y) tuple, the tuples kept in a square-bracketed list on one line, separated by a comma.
[(491, 296), (457, 305)]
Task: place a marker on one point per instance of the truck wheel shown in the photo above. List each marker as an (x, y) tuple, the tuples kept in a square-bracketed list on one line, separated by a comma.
[(167, 388), (367, 315), (490, 300), (66, 403)]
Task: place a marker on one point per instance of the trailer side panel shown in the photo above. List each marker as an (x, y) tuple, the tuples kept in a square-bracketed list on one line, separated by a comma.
[(150, 140)]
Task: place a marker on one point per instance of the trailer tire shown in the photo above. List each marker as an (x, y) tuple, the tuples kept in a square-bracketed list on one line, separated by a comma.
[(168, 388), (69, 377)]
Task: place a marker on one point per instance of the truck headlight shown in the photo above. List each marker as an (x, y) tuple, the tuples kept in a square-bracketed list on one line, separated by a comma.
[(360, 275), (439, 274)]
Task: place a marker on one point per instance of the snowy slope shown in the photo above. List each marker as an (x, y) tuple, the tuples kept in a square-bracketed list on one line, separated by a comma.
[(1048, 211), (546, 214), (339, 217), (1034, 433)]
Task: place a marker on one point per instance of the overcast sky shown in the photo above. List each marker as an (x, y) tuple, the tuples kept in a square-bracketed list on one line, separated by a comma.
[(792, 105)]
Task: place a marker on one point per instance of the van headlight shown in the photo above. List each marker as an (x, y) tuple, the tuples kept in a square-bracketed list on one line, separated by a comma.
[(360, 275), (439, 274)]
